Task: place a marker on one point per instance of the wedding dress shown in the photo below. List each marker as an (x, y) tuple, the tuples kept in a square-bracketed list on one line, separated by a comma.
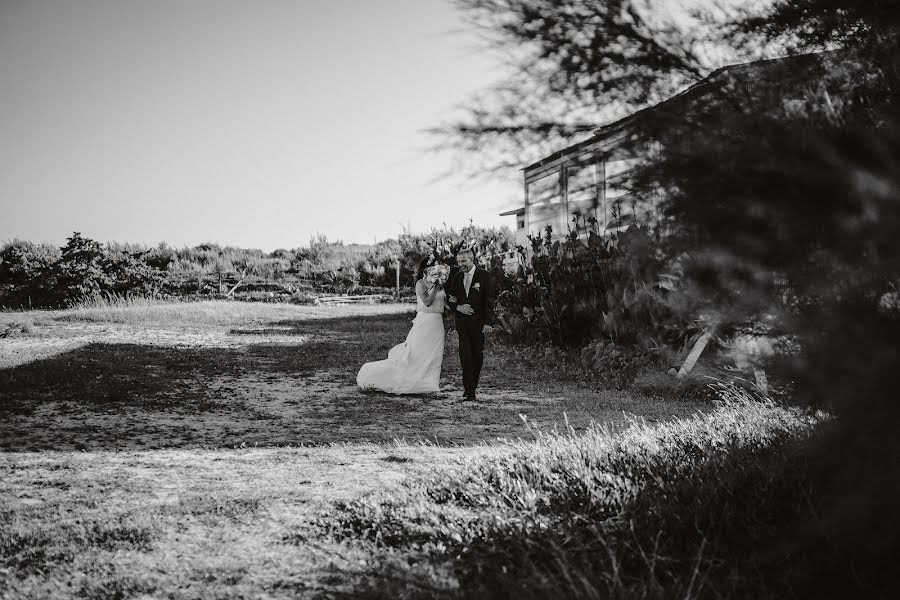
[(413, 367)]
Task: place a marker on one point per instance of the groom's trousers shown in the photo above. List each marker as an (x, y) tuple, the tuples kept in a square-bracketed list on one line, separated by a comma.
[(471, 351)]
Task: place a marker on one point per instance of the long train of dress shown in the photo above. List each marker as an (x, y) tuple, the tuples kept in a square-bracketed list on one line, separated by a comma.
[(413, 367)]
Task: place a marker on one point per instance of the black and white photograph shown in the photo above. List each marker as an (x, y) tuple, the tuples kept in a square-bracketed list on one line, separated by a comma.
[(449, 299)]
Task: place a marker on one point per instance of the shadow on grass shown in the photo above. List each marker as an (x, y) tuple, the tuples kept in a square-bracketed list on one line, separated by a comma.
[(133, 396), (105, 396), (753, 502), (340, 326)]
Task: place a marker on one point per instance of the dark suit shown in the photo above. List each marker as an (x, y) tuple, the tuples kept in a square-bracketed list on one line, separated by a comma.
[(471, 327)]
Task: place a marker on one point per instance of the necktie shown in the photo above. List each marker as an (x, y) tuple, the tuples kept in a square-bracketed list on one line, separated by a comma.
[(467, 281)]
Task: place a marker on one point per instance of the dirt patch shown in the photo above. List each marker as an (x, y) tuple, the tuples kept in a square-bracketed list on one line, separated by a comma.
[(127, 386)]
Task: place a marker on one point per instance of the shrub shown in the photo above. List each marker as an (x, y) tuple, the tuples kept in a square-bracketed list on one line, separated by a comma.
[(79, 272), (303, 298), (582, 288), (130, 273), (26, 276), (616, 365)]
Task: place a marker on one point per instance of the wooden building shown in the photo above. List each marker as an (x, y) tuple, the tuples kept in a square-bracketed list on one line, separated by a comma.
[(588, 177)]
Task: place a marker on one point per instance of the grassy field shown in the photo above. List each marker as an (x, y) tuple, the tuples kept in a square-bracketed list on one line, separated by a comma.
[(222, 450), (220, 375)]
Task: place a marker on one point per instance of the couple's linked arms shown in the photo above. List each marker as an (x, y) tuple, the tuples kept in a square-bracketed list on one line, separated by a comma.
[(488, 306), (454, 305)]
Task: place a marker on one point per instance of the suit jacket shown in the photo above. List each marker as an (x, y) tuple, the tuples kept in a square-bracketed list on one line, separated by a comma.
[(480, 296)]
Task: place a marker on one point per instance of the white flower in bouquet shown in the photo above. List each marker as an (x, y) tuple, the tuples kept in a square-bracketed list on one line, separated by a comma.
[(437, 274)]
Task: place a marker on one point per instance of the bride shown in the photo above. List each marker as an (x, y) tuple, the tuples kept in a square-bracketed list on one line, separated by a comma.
[(414, 367)]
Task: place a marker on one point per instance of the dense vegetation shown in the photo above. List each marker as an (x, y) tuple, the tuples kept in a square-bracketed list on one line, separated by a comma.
[(42, 275)]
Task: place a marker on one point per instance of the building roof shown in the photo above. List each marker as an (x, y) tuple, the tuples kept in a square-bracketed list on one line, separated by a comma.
[(695, 90), (514, 211)]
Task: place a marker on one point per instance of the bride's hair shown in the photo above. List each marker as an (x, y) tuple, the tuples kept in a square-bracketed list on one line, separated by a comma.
[(428, 261)]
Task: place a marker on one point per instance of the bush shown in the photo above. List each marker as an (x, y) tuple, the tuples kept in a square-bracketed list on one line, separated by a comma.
[(621, 289), (130, 273), (618, 366), (49, 277), (79, 272), (26, 277), (697, 386), (303, 298)]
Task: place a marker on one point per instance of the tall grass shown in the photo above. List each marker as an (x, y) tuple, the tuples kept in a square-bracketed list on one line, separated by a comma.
[(163, 312), (725, 504), (108, 300), (136, 309)]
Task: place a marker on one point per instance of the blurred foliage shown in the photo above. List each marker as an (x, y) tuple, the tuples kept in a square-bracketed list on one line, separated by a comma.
[(780, 187), (575, 64), (777, 179)]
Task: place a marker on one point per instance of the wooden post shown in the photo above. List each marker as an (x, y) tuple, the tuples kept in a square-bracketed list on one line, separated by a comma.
[(398, 278), (761, 381), (691, 360)]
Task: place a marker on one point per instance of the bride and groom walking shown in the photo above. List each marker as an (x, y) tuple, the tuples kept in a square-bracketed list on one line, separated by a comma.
[(414, 367)]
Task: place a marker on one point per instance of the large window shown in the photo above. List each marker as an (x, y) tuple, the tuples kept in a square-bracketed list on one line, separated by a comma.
[(544, 205), (595, 182), (583, 189), (620, 203), (621, 208), (617, 166)]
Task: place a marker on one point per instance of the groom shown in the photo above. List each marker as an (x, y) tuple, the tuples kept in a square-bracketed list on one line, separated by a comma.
[(471, 296)]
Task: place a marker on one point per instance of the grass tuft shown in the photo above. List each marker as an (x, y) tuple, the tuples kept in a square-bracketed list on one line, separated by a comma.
[(31, 548), (653, 511), (17, 328), (396, 459)]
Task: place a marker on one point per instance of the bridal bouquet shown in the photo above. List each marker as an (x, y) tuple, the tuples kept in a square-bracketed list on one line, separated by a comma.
[(437, 274)]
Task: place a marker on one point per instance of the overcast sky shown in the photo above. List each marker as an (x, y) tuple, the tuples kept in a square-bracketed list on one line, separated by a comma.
[(252, 123)]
